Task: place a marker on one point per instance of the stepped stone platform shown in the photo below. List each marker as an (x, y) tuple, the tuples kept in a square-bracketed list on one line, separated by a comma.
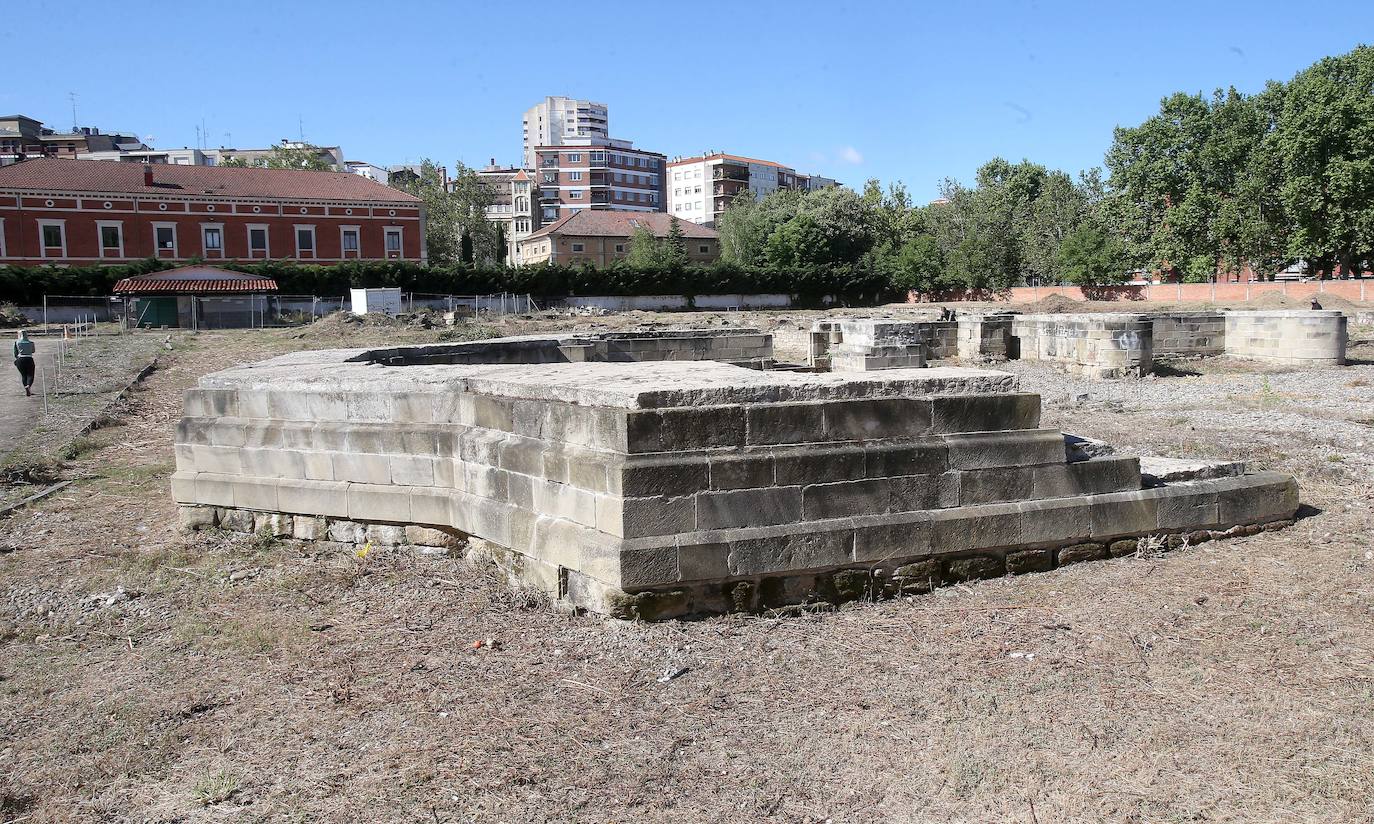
[(644, 480)]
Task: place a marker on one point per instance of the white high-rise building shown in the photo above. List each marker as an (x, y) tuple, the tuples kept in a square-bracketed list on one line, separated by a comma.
[(561, 118)]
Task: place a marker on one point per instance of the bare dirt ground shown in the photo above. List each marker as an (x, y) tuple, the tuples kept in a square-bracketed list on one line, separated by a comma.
[(151, 676)]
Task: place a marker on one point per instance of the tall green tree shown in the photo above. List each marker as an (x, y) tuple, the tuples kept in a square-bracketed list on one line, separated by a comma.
[(1324, 145), (443, 234), (470, 199)]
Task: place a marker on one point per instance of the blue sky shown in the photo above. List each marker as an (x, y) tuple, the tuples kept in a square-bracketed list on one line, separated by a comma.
[(898, 91)]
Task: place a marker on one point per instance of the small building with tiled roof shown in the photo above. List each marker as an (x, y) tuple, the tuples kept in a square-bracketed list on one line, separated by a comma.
[(80, 212), (195, 297), (601, 237)]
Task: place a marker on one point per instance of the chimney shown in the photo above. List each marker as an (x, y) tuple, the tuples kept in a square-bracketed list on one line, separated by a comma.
[(147, 174)]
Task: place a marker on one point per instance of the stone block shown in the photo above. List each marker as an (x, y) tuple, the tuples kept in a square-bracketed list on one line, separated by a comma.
[(988, 450), (703, 562), (672, 476), (194, 518), (648, 567), (973, 568), (1185, 508), (1054, 520), (347, 532), (431, 507), (1081, 552), (863, 420), (273, 523), (314, 498), (308, 528), (991, 526), (1256, 498), (741, 472), (797, 551), (887, 460), (905, 538), (1123, 547), (236, 520), (252, 493), (361, 468), (213, 490), (384, 535), (644, 517), (372, 502), (428, 536), (1022, 561), (986, 486), (784, 423), (985, 413), (918, 577), (1124, 513), (749, 507)]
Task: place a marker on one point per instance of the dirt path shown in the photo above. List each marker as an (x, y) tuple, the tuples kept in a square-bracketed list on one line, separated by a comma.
[(19, 413)]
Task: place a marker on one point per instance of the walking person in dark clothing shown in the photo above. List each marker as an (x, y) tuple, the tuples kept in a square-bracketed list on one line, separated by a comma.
[(23, 360)]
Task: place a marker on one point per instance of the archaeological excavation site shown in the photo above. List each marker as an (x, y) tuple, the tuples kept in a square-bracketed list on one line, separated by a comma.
[(663, 474)]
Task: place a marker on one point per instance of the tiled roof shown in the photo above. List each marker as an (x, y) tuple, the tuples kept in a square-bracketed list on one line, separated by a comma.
[(68, 175), (607, 223), (195, 280)]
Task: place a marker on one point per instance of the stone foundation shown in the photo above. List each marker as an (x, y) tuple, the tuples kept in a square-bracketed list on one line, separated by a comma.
[(629, 481), (1106, 345), (1296, 337)]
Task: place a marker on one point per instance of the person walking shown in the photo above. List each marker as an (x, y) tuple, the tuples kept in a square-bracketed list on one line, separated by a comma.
[(24, 350)]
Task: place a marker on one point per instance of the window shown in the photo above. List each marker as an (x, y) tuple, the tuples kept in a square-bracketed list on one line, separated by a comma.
[(704, 249), (578, 247), (598, 157), (677, 193), (575, 194), (348, 240), (212, 238), (550, 177), (575, 157), (305, 241), (111, 238), (54, 235), (393, 241), (257, 242), (165, 239), (574, 175), (620, 247)]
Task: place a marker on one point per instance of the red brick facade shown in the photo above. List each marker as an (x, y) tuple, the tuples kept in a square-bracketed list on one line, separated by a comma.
[(81, 212)]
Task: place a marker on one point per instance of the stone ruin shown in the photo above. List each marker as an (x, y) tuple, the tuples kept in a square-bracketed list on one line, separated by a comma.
[(642, 475), (1099, 345)]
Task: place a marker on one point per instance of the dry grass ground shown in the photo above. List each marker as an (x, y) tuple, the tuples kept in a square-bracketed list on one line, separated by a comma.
[(225, 679)]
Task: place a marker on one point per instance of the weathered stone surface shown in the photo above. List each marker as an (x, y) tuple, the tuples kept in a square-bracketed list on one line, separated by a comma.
[(1081, 552), (236, 520), (197, 517), (697, 483), (1029, 560)]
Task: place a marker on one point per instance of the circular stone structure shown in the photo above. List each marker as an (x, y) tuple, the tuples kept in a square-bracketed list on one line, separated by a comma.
[(641, 475)]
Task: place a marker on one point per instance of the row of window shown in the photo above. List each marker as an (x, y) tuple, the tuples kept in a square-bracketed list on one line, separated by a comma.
[(632, 197), (620, 248), (600, 157), (686, 190), (687, 207), (54, 238)]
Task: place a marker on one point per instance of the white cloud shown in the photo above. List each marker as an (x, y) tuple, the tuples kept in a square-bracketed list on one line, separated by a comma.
[(851, 155)]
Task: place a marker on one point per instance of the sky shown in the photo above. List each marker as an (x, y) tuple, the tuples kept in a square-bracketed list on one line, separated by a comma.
[(852, 90)]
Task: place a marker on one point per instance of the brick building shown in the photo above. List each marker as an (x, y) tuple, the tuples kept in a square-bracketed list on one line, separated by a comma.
[(597, 173), (79, 212), (603, 237)]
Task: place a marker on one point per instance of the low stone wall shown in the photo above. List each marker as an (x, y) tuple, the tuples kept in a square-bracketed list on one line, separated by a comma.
[(1298, 337), (1187, 334), (1107, 345)]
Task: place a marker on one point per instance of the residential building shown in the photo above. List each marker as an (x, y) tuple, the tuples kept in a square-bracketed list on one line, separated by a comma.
[(22, 137), (700, 188), (515, 206), (76, 212), (557, 119), (368, 170), (410, 173), (332, 155), (603, 237), (597, 173)]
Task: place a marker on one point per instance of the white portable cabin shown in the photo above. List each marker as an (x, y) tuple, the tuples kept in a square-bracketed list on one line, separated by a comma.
[(381, 301)]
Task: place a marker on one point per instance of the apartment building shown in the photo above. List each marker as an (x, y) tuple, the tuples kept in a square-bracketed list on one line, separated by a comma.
[(603, 237), (700, 188), (331, 155), (598, 174), (557, 119), (23, 137), (514, 206)]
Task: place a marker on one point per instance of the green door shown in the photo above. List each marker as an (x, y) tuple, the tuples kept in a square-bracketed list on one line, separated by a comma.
[(156, 312)]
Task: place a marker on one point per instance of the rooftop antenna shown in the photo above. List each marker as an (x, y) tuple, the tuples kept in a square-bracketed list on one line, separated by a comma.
[(300, 124), (72, 97)]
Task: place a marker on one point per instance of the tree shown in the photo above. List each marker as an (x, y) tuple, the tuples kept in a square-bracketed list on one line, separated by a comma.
[(470, 199), (443, 236), (1088, 256), (286, 156), (676, 244), (1324, 149), (650, 254)]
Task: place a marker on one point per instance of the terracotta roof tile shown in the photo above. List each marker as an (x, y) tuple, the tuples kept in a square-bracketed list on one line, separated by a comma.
[(607, 223), (195, 280), (115, 177)]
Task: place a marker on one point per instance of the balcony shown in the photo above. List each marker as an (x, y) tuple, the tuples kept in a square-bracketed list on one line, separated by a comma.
[(730, 173)]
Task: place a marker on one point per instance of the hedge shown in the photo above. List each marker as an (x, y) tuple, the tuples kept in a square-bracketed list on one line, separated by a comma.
[(27, 285)]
